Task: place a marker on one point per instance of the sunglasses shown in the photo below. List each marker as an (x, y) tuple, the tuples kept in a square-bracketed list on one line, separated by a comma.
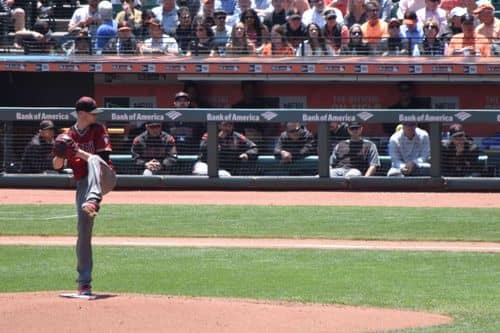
[(435, 1), (220, 17), (430, 26), (200, 29)]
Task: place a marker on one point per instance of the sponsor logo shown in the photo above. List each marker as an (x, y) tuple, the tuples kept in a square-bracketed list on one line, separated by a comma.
[(415, 69), (149, 68), (308, 68), (335, 68), (493, 69), (95, 67), (173, 114), (233, 117), (121, 67), (462, 115), (175, 68), (361, 68), (364, 115), (69, 67), (269, 115), (281, 68), (388, 69), (442, 69), (426, 117), (42, 67), (328, 117), (14, 66), (228, 68), (202, 68), (470, 69), (255, 68)]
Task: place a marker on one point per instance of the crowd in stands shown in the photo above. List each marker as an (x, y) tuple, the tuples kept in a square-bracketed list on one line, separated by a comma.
[(264, 27), (155, 150)]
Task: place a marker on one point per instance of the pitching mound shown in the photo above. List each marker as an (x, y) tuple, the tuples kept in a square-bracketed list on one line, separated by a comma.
[(47, 312)]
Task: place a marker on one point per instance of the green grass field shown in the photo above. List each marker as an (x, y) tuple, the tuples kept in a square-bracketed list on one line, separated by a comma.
[(463, 285)]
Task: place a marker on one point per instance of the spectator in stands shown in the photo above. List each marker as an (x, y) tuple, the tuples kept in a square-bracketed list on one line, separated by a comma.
[(336, 33), (166, 13), (355, 156), (295, 30), (159, 43), (15, 12), (154, 150), (203, 43), (409, 6), (355, 46), (490, 25), (294, 144), (39, 40), (300, 5), (147, 16), (374, 29), (394, 44), (315, 14), (124, 43), (206, 13), (235, 16), (469, 43), (130, 14), (184, 32), (239, 44), (454, 25), (412, 31), (460, 155), (316, 44), (229, 6), (409, 149), (237, 154), (193, 6), (86, 17), (254, 28), (37, 155), (277, 16), (278, 46), (262, 7), (432, 44), (222, 31), (432, 10), (108, 28), (356, 13)]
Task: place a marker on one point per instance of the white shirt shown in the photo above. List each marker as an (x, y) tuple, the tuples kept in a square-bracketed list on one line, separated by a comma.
[(164, 44), (403, 150), (81, 14), (312, 15)]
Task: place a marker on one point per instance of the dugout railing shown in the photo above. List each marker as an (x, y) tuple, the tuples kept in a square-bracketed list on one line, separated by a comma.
[(16, 120)]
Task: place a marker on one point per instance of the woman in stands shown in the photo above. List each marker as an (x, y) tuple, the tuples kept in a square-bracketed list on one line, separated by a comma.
[(355, 46), (315, 45), (356, 13), (203, 43), (131, 15), (432, 45), (239, 44), (253, 26), (184, 32), (335, 33), (278, 46)]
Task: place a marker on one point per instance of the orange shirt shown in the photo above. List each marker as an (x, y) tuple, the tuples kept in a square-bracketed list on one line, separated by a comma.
[(374, 33), (479, 43)]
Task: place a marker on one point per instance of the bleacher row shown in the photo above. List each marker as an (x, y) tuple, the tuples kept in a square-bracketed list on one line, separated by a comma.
[(58, 14)]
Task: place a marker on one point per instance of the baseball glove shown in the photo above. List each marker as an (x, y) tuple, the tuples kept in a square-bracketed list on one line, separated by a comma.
[(64, 147)]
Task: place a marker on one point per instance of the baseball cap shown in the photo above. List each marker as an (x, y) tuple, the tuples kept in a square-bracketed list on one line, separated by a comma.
[(153, 123), (293, 13), (483, 6), (355, 124), (46, 125), (456, 130), (123, 26), (219, 10), (87, 104), (105, 9), (330, 13), (394, 21), (182, 94), (410, 123), (458, 11)]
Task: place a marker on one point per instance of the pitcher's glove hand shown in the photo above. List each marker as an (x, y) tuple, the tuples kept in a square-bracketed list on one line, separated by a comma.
[(64, 147)]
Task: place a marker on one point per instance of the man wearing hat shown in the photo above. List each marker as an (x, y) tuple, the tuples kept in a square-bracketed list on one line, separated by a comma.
[(294, 144), (277, 16), (124, 43), (37, 156), (86, 149), (154, 150), (159, 43), (355, 156), (460, 154), (295, 30), (316, 14), (490, 25), (410, 152), (221, 30), (469, 43)]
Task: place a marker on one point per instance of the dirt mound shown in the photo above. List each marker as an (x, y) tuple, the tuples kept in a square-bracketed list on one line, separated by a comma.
[(47, 312)]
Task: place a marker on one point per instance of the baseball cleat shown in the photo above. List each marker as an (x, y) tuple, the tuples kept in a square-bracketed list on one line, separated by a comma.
[(91, 208), (85, 290)]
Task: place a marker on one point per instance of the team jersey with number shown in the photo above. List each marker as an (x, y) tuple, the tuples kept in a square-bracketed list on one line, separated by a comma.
[(93, 139)]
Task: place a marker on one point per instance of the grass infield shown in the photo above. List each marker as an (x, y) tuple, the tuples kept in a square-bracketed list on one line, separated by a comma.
[(369, 223), (463, 285)]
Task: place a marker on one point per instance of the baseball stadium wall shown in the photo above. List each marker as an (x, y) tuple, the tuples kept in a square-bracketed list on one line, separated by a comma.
[(12, 120)]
